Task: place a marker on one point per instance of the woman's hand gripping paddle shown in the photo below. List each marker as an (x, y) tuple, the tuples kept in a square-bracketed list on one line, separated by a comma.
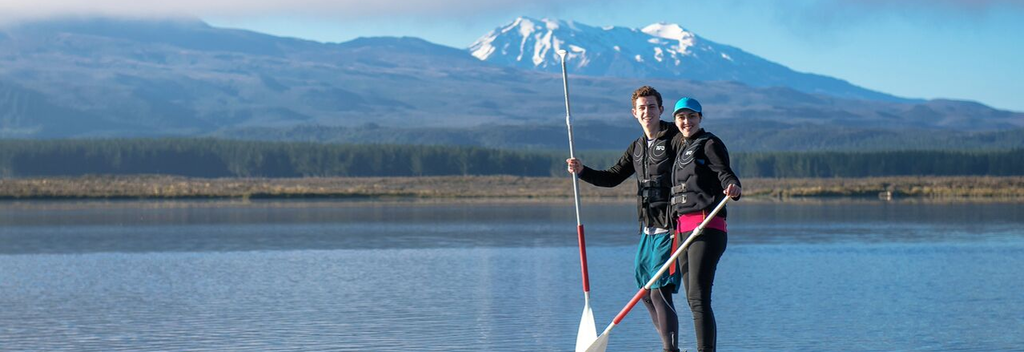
[(587, 333), (601, 344)]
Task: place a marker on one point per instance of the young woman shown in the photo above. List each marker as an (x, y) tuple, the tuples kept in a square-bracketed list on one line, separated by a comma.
[(701, 178)]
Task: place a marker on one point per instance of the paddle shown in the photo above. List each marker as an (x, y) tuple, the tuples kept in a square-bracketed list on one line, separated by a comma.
[(587, 332), (601, 344)]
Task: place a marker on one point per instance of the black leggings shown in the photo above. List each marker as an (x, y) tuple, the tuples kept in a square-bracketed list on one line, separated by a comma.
[(663, 314), (698, 266)]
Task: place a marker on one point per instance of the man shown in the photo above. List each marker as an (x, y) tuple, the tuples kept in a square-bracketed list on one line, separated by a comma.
[(650, 157)]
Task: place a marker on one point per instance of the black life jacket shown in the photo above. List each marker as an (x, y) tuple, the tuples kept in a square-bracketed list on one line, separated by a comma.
[(653, 166), (696, 186)]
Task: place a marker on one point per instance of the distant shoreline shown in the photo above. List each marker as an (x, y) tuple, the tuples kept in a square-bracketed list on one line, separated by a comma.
[(483, 187)]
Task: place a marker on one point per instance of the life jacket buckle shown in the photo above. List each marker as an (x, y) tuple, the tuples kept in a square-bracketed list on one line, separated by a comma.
[(679, 200)]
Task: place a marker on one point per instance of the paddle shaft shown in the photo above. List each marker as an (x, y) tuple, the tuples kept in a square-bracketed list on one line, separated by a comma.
[(668, 264), (575, 182)]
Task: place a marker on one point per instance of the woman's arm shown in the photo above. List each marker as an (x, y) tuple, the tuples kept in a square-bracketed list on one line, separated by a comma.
[(718, 161)]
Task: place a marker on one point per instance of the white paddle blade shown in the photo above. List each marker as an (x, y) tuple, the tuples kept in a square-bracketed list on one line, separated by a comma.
[(588, 330), (600, 345)]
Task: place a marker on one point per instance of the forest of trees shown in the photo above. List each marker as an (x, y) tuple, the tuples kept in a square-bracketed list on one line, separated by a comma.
[(232, 158), (886, 163)]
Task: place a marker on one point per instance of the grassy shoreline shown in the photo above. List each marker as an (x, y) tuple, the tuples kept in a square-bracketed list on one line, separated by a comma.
[(468, 187)]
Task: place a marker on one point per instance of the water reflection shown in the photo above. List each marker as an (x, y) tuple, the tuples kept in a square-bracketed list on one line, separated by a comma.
[(77, 227), (470, 276)]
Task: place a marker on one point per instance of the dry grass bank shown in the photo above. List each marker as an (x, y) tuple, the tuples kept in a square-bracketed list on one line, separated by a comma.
[(171, 187)]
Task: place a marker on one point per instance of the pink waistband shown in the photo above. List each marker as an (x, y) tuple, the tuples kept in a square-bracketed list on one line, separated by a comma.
[(688, 222)]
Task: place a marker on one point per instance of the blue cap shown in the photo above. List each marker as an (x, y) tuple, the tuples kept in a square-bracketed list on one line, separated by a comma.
[(686, 103)]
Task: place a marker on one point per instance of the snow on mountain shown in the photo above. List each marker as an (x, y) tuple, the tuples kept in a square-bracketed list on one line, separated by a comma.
[(534, 44), (660, 50)]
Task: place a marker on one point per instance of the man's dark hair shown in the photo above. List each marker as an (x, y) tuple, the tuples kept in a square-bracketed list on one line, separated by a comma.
[(647, 91)]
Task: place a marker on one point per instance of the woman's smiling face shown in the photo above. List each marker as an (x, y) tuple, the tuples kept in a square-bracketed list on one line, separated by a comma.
[(688, 122)]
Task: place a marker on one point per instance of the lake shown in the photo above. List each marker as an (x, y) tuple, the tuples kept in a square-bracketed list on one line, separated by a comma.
[(836, 275)]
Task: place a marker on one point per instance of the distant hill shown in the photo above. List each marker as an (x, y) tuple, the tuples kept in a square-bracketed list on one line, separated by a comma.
[(106, 77)]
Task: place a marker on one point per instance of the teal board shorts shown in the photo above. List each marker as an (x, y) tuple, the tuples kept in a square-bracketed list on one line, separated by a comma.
[(651, 254)]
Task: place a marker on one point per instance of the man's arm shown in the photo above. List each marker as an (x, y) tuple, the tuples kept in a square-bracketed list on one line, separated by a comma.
[(611, 177)]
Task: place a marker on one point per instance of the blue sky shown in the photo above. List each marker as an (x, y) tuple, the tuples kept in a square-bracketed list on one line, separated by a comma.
[(958, 49)]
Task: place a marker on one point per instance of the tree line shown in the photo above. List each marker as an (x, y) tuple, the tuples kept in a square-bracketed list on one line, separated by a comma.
[(882, 163), (232, 158)]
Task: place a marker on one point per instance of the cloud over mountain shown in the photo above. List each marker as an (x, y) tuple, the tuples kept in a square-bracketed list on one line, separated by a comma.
[(20, 10)]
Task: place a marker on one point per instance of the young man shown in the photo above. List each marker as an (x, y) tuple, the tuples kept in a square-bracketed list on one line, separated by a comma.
[(650, 157)]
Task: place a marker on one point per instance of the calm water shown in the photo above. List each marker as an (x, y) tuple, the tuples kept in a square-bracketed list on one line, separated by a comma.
[(422, 276)]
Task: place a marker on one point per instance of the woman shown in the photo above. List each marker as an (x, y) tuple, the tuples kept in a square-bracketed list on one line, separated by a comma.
[(701, 178)]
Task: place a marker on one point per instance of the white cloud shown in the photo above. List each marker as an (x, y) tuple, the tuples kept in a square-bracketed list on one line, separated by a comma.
[(339, 9)]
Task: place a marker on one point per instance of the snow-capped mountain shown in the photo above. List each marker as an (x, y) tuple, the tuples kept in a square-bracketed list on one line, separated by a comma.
[(108, 77), (660, 50)]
